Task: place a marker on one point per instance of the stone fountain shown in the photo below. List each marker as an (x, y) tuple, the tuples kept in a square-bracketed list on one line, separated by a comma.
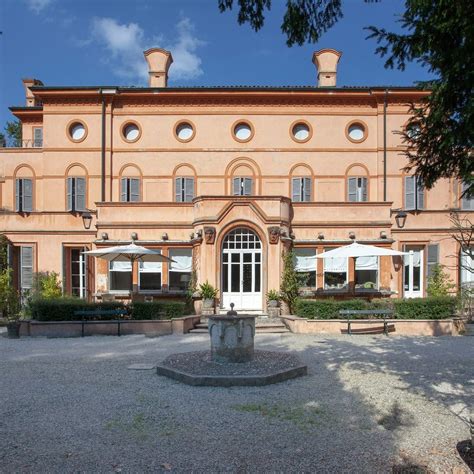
[(232, 359)]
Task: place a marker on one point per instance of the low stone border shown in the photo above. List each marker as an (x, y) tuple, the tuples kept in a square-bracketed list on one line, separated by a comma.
[(108, 328), (402, 327)]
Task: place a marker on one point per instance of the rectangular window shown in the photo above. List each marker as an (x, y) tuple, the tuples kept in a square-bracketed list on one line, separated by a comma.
[(301, 189), (433, 258), (24, 195), (184, 189), (414, 194), (179, 273), (467, 202), (26, 268), (76, 194), (120, 276), (305, 266), (150, 276), (242, 186), (335, 273), (130, 190), (467, 268), (37, 137), (366, 273), (357, 189), (78, 272)]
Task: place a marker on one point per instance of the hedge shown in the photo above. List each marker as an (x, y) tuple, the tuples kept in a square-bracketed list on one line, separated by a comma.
[(417, 308), (158, 310), (62, 309)]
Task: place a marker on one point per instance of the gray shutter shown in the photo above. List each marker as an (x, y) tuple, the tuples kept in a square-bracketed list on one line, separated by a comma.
[(307, 189), (18, 200), (188, 189), (179, 188), (467, 202), (296, 194), (352, 189), (409, 192), (38, 137), (69, 186), (26, 264), (123, 189), (27, 195), (364, 189), (80, 204), (433, 257), (236, 187), (134, 189), (420, 190), (247, 186)]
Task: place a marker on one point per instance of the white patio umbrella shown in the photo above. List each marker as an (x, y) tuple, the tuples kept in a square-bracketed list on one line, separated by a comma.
[(360, 250), (128, 253)]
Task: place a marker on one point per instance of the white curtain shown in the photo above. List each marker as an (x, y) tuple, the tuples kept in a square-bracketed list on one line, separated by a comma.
[(183, 261), (150, 267), (367, 263), (338, 265), (416, 258), (305, 260), (120, 266)]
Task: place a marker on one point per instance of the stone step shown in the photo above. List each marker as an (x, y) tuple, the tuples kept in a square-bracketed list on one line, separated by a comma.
[(199, 331)]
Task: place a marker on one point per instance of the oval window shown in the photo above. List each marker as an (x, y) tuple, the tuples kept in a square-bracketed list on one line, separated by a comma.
[(301, 132), (413, 130), (243, 131), (131, 132), (184, 131), (77, 131), (356, 132)]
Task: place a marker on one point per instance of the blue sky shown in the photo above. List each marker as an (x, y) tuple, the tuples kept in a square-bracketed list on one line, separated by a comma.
[(94, 42)]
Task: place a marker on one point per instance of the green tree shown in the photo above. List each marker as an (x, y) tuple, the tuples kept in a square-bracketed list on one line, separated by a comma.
[(438, 34), (439, 283), (290, 283), (46, 285), (9, 297), (13, 132)]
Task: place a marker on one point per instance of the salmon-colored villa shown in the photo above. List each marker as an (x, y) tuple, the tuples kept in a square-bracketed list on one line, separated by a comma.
[(222, 180)]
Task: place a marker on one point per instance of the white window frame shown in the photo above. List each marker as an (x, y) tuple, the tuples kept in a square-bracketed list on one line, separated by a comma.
[(114, 291), (346, 283), (170, 266), (141, 271)]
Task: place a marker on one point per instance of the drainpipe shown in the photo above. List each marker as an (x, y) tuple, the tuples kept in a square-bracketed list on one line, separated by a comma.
[(385, 146), (102, 158)]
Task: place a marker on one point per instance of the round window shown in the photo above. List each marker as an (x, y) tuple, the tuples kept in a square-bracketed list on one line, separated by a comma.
[(243, 132), (77, 131), (184, 131), (301, 132), (413, 130), (356, 132), (131, 132)]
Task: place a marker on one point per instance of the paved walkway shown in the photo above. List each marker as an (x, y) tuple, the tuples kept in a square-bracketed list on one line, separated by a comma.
[(368, 404)]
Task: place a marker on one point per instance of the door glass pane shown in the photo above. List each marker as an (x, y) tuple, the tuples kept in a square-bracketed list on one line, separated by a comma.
[(247, 277), (225, 277), (247, 257), (235, 258), (257, 277), (416, 278), (235, 278), (406, 272)]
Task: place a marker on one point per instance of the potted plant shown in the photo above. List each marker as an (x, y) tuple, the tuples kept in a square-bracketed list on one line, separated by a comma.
[(273, 299), (208, 295)]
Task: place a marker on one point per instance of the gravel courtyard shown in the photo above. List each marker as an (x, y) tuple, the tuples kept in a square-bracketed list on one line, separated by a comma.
[(369, 404)]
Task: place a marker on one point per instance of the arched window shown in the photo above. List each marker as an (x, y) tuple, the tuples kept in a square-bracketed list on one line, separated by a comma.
[(76, 189)]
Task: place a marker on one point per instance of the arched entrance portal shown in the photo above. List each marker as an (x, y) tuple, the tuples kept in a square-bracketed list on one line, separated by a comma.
[(242, 270)]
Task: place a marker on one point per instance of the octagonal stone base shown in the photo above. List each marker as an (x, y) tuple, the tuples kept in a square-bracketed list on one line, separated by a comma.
[(199, 369)]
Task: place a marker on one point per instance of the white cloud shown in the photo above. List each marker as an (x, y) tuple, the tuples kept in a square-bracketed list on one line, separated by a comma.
[(37, 5), (125, 44)]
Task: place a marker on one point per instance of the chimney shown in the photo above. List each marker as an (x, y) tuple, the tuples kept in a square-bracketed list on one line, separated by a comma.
[(31, 100), (159, 61), (326, 61)]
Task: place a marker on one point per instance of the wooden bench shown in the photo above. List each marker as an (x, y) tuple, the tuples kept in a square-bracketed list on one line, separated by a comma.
[(90, 314), (386, 313)]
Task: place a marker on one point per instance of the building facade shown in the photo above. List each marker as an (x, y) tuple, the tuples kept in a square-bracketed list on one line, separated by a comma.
[(222, 180)]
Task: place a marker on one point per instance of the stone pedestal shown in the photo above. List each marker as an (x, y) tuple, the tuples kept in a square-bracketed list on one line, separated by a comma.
[(273, 312), (232, 338)]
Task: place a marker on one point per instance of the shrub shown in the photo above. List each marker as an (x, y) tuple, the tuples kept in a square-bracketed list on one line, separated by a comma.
[(273, 295), (62, 309), (46, 285), (208, 292), (418, 308), (439, 283), (290, 284), (9, 296), (158, 310)]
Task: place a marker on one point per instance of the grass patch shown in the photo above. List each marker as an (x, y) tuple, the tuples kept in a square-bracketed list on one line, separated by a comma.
[(138, 426)]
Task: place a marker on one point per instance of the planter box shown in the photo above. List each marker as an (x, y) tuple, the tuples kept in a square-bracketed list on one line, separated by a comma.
[(403, 327)]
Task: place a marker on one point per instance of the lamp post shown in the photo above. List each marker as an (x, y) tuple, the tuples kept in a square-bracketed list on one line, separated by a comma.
[(400, 219), (86, 219)]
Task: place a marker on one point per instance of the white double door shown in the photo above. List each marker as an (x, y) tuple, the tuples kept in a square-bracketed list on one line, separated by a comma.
[(242, 279), (413, 264)]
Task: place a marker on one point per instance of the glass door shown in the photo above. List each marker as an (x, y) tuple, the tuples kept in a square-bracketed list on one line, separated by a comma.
[(413, 265)]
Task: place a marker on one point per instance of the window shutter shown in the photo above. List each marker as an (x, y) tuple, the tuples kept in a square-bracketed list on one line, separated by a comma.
[(80, 198), (307, 189), (38, 137), (296, 195), (236, 187), (134, 189), (69, 186), (433, 258), (247, 186), (18, 200), (27, 195), (352, 189), (364, 189), (123, 189), (188, 189), (420, 202), (467, 203), (26, 262), (409, 193), (179, 187)]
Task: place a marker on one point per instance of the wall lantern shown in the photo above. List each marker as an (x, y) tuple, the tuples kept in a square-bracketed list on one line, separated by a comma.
[(86, 219), (400, 219)]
